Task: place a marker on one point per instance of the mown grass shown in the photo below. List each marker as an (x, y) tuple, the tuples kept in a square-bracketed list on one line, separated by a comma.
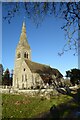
[(22, 106)]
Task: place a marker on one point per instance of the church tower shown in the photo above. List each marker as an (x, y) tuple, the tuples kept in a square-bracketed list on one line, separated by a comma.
[(23, 52)]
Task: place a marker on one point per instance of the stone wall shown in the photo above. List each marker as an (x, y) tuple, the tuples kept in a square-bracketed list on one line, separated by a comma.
[(47, 93), (18, 81)]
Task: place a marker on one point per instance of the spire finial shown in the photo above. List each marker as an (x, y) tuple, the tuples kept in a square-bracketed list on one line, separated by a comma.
[(24, 21), (23, 26)]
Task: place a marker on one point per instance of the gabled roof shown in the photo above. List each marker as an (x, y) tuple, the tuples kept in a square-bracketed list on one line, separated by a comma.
[(42, 69)]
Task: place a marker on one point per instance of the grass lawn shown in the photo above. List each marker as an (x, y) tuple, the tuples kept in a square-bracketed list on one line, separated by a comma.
[(23, 106)]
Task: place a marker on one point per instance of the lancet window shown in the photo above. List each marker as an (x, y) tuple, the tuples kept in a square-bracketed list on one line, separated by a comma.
[(22, 78), (25, 55), (18, 55)]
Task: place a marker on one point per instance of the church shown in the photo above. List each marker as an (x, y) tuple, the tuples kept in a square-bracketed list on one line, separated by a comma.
[(29, 74)]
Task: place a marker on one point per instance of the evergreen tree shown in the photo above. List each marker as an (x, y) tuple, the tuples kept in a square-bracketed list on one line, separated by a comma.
[(6, 77), (11, 77), (74, 75)]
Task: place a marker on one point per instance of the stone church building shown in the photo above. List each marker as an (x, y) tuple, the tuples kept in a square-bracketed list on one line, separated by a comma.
[(29, 74)]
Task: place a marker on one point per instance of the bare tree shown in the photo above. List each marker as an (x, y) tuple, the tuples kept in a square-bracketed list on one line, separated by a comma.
[(37, 11)]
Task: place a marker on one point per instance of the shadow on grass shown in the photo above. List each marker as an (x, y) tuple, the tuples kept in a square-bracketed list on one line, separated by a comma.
[(65, 110), (76, 96), (61, 111)]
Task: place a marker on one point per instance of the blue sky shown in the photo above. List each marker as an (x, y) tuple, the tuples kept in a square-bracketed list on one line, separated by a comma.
[(0, 33), (45, 42)]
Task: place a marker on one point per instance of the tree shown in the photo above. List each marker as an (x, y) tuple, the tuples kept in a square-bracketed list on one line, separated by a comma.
[(74, 75), (68, 73), (11, 77), (6, 78), (37, 11), (1, 73)]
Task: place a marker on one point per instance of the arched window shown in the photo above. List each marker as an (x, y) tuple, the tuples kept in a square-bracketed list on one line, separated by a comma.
[(25, 77), (22, 78), (25, 55), (23, 85), (18, 55)]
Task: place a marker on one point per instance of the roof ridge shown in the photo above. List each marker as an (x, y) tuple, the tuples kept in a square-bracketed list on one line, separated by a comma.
[(39, 63)]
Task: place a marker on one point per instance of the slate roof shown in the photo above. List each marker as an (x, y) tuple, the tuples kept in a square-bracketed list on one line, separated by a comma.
[(1, 65), (42, 69)]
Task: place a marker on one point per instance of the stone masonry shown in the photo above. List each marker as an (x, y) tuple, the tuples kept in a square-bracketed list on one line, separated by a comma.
[(28, 74)]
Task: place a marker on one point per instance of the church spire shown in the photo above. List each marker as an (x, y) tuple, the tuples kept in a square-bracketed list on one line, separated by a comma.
[(24, 27), (23, 32), (23, 38)]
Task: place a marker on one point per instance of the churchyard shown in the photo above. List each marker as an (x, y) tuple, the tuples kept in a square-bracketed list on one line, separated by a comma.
[(21, 105)]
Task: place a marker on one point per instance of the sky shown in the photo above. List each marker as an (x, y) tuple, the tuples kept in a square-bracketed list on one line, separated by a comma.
[(0, 33), (45, 42)]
